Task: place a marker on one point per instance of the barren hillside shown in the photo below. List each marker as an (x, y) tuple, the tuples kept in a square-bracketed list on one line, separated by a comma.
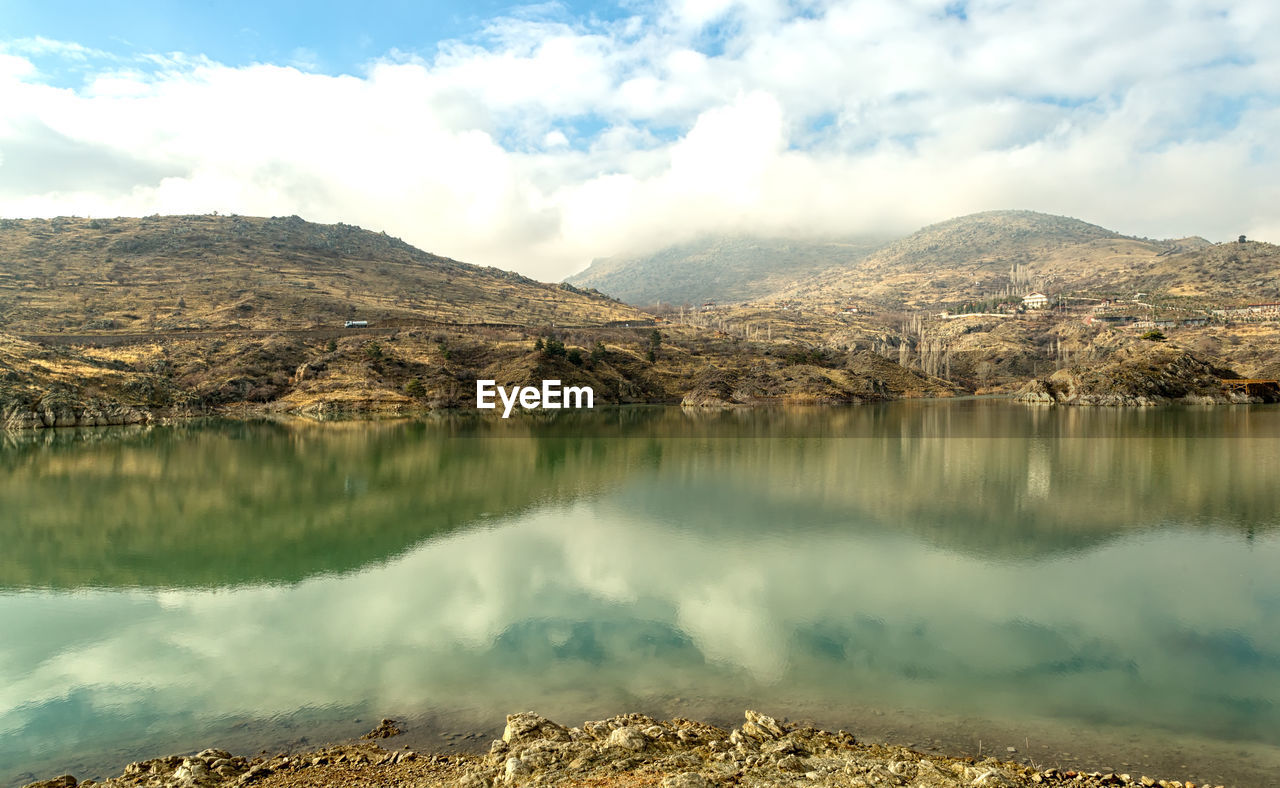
[(166, 273), (989, 255)]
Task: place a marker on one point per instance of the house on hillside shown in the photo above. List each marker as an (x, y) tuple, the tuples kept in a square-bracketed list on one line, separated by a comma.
[(1035, 300)]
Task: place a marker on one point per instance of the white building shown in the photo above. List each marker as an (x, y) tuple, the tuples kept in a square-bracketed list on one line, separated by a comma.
[(1035, 300)]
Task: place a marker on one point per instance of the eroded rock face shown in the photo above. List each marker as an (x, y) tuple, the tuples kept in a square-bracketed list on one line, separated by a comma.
[(1136, 378), (21, 419), (1037, 392), (61, 414)]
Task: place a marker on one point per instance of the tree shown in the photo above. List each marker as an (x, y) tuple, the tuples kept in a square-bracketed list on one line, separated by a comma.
[(655, 341), (552, 347), (1154, 335), (415, 389)]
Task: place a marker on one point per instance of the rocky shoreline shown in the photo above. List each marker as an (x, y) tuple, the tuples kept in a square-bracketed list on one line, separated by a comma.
[(627, 750), (80, 414), (1139, 379), (410, 372)]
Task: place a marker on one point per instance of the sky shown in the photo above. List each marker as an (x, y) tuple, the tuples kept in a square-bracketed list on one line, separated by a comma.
[(536, 137)]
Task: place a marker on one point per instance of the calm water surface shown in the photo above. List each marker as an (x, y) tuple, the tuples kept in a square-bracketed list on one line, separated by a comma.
[(1095, 587)]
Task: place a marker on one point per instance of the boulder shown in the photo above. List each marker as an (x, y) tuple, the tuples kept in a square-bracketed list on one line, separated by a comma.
[(528, 727), (628, 737), (384, 730), (762, 727)]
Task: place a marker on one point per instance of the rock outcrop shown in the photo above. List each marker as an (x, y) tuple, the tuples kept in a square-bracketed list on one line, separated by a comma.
[(63, 413), (1137, 377)]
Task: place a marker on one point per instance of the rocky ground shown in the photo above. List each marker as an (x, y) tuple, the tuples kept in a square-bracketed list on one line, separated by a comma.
[(330, 372), (628, 750), (1140, 377)]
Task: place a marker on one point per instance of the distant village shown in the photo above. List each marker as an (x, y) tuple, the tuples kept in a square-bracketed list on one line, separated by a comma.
[(1131, 312)]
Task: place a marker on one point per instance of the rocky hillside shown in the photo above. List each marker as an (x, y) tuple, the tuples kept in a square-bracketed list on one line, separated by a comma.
[(992, 237), (414, 368), (958, 258), (720, 269), (812, 377), (976, 258), (1139, 376), (173, 273)]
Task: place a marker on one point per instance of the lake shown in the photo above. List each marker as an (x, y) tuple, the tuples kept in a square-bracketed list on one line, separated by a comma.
[(1091, 587)]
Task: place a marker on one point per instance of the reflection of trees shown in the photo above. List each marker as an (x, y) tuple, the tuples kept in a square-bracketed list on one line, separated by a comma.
[(234, 502)]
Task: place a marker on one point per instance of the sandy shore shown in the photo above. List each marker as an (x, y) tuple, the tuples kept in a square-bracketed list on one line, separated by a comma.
[(628, 750)]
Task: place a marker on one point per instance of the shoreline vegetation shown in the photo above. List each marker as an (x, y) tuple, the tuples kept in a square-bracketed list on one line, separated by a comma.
[(626, 750)]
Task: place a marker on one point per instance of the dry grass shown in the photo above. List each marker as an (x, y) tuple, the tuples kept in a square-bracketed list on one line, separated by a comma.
[(212, 272), (971, 258)]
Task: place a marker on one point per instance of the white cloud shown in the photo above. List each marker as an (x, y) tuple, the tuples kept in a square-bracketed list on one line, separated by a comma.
[(437, 617), (550, 142), (13, 69), (39, 46)]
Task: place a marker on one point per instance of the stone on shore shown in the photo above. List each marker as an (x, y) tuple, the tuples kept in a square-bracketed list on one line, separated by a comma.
[(628, 751)]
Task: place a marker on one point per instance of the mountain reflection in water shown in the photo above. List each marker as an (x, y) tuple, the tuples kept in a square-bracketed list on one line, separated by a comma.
[(1106, 567)]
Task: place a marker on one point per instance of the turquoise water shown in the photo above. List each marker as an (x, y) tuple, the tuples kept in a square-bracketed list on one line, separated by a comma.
[(944, 568)]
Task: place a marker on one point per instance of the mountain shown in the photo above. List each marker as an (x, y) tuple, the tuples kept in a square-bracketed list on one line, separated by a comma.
[(986, 255), (972, 255), (119, 321), (717, 268), (167, 273)]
